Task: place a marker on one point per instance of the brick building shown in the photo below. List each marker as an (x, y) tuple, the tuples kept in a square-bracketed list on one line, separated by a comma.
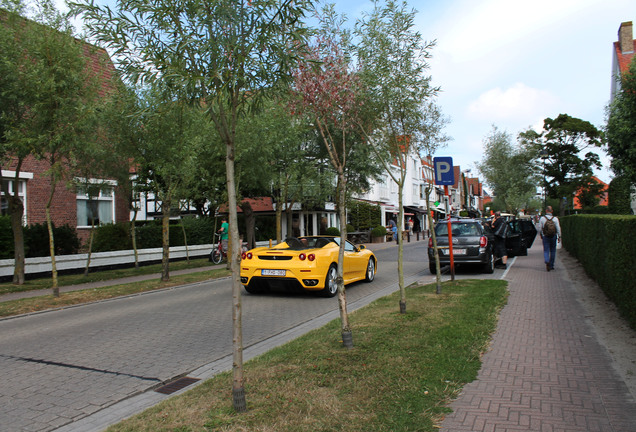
[(69, 205)]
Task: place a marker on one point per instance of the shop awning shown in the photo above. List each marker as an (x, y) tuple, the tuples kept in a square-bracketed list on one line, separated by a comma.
[(415, 209)]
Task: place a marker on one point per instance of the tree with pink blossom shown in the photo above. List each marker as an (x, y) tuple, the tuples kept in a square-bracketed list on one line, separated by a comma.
[(329, 92)]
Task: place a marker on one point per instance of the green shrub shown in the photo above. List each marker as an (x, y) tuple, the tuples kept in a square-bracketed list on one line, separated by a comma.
[(378, 231), (112, 237), (619, 196), (36, 240), (6, 238), (198, 230), (149, 235), (332, 231), (363, 216), (604, 244)]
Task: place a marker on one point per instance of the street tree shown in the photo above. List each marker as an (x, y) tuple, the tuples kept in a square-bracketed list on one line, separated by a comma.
[(121, 127), (620, 131), (509, 169), (225, 54), (171, 134), (402, 122), (568, 163), (328, 92), (49, 105), (281, 156)]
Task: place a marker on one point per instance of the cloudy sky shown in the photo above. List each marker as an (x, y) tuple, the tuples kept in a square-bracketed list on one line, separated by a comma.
[(512, 63)]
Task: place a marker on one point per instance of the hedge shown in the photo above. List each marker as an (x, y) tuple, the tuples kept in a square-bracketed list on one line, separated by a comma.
[(363, 216), (36, 240), (110, 237), (606, 247)]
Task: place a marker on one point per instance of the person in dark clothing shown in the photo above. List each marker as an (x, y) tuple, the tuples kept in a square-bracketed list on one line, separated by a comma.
[(500, 242)]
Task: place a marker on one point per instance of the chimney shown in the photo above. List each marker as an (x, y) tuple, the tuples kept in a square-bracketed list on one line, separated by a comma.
[(625, 37)]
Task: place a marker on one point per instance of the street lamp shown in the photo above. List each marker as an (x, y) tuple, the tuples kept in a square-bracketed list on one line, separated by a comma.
[(543, 154)]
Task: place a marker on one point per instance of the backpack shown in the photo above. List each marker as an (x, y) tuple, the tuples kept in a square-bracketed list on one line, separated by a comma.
[(549, 227), (502, 229)]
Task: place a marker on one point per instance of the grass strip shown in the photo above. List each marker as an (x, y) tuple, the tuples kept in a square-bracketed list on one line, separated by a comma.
[(44, 302), (96, 276), (402, 373)]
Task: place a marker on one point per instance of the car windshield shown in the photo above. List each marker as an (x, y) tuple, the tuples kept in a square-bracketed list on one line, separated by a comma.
[(459, 229), (301, 243)]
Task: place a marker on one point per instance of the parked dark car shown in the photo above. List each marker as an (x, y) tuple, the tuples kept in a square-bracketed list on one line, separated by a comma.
[(473, 241)]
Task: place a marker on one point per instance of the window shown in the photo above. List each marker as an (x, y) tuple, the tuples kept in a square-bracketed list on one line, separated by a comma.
[(8, 185), (384, 190), (96, 210)]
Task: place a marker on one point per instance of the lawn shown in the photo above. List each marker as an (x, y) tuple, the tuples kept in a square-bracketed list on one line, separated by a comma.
[(400, 376)]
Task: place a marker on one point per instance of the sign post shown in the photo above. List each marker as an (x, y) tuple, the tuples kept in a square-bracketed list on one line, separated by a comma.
[(445, 175)]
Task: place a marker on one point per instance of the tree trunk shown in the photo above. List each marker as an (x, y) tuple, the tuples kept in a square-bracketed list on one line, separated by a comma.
[(290, 220), (279, 221), (16, 210), (90, 247), (185, 240), (49, 225), (400, 226), (234, 258), (438, 279), (133, 238), (347, 338), (165, 238), (250, 224)]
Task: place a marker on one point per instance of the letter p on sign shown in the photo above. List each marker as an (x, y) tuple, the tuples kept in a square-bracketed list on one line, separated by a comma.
[(444, 173)]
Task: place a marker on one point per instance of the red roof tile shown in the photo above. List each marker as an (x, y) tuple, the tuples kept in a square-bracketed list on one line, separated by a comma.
[(624, 59), (259, 204)]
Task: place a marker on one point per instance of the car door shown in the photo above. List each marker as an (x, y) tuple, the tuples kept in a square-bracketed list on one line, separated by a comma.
[(528, 231), (514, 240), (354, 264)]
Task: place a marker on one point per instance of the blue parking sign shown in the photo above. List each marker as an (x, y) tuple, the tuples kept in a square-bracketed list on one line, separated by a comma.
[(444, 173)]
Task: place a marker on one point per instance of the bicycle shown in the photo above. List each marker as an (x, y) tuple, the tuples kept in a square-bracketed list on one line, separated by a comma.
[(218, 254)]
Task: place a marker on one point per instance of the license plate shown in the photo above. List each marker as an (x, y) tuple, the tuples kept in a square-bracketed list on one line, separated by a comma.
[(272, 272), (455, 251)]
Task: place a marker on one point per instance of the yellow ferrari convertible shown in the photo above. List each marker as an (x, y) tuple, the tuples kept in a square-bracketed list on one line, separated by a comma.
[(309, 263)]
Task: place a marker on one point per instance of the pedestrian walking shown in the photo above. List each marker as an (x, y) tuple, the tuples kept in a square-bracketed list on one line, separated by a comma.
[(500, 228), (550, 231)]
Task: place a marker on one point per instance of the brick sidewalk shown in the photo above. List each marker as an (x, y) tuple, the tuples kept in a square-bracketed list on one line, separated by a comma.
[(545, 369)]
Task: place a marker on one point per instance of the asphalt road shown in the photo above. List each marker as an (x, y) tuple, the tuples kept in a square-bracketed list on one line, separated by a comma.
[(66, 368)]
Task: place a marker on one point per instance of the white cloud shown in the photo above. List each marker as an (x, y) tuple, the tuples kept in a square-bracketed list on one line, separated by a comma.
[(518, 103), (471, 30)]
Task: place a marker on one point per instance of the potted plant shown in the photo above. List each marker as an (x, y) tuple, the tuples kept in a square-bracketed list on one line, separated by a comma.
[(378, 234)]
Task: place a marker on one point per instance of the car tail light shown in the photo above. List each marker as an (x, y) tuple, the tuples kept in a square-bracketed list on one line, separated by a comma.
[(246, 255), (311, 257), (430, 242), (483, 241), (302, 256)]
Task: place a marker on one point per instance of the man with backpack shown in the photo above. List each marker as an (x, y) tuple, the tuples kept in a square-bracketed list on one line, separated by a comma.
[(550, 231)]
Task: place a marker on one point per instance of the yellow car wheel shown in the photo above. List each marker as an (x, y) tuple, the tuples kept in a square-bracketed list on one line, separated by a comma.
[(331, 284), (370, 271)]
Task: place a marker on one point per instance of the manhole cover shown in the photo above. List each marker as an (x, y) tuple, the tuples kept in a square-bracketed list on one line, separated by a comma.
[(176, 385)]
